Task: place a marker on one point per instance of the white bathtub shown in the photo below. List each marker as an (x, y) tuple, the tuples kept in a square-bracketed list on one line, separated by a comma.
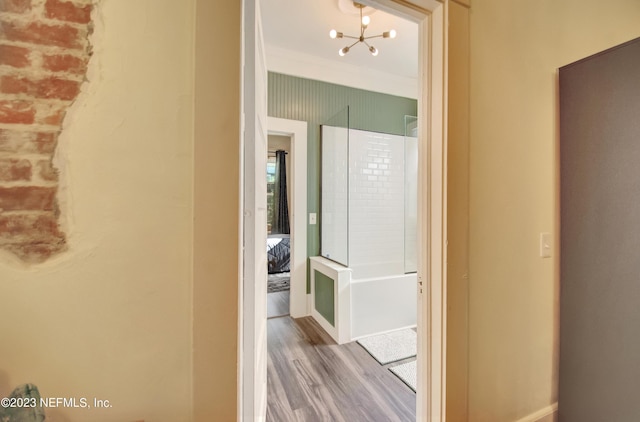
[(383, 304), (363, 307)]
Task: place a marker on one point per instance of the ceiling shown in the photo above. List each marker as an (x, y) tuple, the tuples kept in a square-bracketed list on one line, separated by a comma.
[(300, 29)]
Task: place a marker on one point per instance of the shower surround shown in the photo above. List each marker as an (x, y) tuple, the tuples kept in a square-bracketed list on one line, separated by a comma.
[(368, 234)]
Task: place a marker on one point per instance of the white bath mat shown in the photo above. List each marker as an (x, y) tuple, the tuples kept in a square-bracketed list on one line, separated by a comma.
[(407, 373), (391, 347)]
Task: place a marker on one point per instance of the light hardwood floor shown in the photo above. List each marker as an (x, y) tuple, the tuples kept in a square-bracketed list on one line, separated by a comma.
[(277, 304), (311, 378)]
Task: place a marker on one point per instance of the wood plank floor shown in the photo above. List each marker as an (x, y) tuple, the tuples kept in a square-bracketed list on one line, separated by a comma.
[(311, 378), (277, 304)]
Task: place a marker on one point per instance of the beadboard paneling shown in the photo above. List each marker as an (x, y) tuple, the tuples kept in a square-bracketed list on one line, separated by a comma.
[(316, 102)]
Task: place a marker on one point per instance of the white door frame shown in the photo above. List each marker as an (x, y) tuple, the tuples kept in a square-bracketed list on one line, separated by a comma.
[(432, 205), (297, 131), (432, 16), (252, 385)]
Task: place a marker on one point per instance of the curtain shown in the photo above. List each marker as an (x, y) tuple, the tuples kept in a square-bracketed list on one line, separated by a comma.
[(281, 205)]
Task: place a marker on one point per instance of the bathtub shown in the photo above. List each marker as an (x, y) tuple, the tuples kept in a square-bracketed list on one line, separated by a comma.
[(350, 308)]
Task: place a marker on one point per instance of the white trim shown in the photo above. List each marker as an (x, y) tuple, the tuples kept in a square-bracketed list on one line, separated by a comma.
[(540, 414), (432, 202), (253, 379), (295, 63), (432, 130), (297, 131), (340, 331)]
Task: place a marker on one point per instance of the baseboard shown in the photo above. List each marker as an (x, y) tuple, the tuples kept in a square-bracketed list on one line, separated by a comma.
[(546, 414)]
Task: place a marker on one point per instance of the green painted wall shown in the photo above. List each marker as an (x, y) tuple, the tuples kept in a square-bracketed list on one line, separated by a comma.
[(324, 296), (316, 103)]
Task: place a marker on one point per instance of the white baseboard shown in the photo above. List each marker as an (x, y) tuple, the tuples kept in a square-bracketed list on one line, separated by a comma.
[(540, 414)]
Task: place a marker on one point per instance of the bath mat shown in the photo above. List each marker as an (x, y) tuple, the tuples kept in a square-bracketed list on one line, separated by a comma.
[(407, 373), (391, 347)]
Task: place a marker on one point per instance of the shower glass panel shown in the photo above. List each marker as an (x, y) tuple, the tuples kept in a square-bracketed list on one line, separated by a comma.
[(369, 198), (334, 217), (411, 194), (376, 204)]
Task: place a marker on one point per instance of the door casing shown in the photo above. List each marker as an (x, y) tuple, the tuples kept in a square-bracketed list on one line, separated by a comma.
[(431, 16), (297, 131)]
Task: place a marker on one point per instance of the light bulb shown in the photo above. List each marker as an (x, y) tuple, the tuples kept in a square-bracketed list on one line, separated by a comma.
[(343, 51), (389, 34), (333, 33), (366, 20), (373, 50)]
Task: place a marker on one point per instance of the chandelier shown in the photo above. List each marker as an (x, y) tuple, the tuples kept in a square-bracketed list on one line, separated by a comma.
[(364, 22)]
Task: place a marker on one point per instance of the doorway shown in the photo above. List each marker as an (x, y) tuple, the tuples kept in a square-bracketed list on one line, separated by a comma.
[(431, 215), (296, 133)]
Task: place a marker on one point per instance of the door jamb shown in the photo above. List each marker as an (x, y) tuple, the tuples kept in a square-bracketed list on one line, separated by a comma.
[(432, 16), (297, 131), (432, 203)]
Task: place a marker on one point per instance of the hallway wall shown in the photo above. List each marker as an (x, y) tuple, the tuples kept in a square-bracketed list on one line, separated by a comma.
[(516, 49), (111, 317)]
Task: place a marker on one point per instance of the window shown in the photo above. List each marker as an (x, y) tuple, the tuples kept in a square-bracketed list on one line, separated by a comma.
[(271, 188)]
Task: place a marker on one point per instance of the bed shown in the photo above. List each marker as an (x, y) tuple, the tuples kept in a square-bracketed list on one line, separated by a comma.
[(278, 253)]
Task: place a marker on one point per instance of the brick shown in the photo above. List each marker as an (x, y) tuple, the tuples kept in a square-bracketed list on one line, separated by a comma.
[(19, 142), (29, 228), (15, 6), (52, 116), (17, 111), (47, 171), (40, 33), (14, 170), (33, 238), (27, 198), (45, 142), (67, 11), (11, 55), (36, 253), (64, 63), (49, 88)]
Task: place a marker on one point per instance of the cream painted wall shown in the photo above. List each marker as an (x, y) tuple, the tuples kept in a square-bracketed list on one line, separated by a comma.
[(516, 48), (111, 318), (216, 260), (458, 214)]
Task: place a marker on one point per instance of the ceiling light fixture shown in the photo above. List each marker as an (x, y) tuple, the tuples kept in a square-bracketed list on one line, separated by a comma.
[(364, 23)]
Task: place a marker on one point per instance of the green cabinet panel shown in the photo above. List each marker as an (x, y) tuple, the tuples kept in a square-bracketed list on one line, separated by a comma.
[(324, 300)]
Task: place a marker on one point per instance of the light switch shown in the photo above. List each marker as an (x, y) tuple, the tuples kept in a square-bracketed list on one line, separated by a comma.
[(545, 245), (312, 218)]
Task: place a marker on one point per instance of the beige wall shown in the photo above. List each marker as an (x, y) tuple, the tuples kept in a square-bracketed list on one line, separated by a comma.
[(216, 210), (458, 214), (111, 318), (516, 47)]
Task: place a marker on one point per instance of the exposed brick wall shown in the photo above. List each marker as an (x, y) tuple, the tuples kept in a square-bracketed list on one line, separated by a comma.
[(44, 51)]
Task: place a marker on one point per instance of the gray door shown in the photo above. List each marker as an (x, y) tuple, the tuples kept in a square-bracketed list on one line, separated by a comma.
[(600, 237)]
